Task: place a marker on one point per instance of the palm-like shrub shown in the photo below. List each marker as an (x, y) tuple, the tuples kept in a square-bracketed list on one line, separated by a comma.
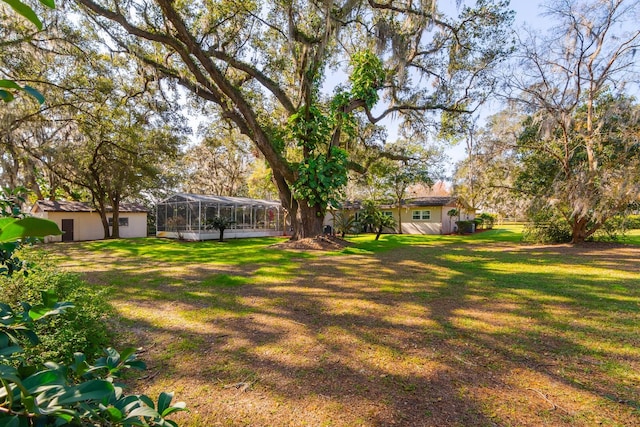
[(343, 222), (376, 219), (219, 223)]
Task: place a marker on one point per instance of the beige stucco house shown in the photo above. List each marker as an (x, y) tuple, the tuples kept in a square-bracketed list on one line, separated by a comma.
[(421, 215), (428, 215), (80, 221)]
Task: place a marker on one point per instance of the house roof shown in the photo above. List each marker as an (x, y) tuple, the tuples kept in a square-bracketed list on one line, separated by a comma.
[(431, 201), (71, 206), (415, 202), (424, 201), (349, 205)]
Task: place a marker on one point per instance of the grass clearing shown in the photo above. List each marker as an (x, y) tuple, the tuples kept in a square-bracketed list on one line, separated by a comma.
[(632, 237), (407, 330)]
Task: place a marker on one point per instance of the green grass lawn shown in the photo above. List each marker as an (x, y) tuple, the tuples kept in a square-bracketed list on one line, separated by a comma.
[(632, 237), (407, 330)]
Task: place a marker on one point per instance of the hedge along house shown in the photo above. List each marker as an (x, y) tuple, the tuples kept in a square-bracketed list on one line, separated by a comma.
[(422, 215), (188, 216), (81, 221)]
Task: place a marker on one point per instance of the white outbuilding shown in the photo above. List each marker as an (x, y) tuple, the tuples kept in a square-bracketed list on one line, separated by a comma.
[(80, 221)]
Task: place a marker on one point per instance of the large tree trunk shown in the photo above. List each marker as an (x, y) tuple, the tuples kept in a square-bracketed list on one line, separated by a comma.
[(579, 230), (115, 228), (115, 211), (583, 229), (102, 211), (306, 220)]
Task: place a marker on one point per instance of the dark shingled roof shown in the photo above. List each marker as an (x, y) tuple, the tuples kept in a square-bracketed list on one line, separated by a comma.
[(415, 202), (65, 206), (431, 201), (425, 201)]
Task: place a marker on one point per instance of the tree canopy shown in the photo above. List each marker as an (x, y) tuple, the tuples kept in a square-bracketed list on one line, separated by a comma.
[(406, 164), (105, 127), (579, 148), (485, 178), (270, 68)]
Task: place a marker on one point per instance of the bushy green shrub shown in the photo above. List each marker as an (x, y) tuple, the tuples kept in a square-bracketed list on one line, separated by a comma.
[(553, 230), (79, 329), (550, 232), (51, 393), (488, 220), (465, 227), (611, 231), (546, 226), (633, 222), (77, 394), (616, 227)]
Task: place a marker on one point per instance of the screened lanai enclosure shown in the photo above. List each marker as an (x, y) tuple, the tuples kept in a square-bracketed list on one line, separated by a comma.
[(189, 217)]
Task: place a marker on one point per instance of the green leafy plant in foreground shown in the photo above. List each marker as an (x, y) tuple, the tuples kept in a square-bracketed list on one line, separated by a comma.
[(16, 228), (78, 394), (56, 394), (9, 87), (83, 328)]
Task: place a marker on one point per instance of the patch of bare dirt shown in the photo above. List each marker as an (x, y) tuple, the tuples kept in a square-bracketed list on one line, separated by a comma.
[(318, 243)]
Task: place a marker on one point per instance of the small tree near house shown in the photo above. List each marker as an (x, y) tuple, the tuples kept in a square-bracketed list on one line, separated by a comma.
[(451, 213), (487, 220), (382, 221), (374, 217), (220, 223), (409, 164), (343, 222)]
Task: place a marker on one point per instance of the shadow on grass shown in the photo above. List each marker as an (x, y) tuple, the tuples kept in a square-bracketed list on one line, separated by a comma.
[(392, 241), (229, 252), (440, 331)]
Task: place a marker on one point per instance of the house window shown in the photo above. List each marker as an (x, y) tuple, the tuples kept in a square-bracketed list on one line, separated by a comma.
[(387, 213), (421, 215), (122, 222)]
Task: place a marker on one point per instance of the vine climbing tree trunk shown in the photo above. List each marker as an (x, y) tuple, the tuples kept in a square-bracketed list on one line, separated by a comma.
[(231, 57), (308, 221)]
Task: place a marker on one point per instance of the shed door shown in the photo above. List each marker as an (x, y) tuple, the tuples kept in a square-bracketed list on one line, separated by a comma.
[(67, 228)]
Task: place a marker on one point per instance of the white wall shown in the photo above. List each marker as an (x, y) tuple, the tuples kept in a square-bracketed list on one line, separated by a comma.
[(437, 224), (229, 233), (137, 224), (421, 228), (87, 225)]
